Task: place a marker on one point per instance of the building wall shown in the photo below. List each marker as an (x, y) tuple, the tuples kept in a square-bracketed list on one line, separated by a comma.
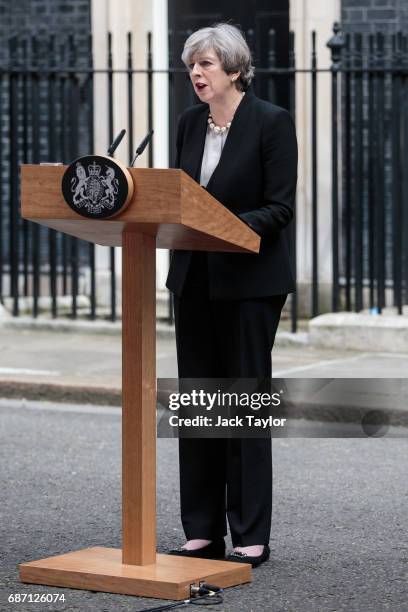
[(42, 16), (374, 15), (139, 18), (306, 16)]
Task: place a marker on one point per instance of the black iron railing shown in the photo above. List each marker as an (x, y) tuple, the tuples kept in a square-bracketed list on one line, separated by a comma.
[(369, 202), (46, 114)]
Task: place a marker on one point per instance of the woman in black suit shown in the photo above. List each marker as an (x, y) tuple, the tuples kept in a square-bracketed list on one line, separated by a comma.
[(227, 306)]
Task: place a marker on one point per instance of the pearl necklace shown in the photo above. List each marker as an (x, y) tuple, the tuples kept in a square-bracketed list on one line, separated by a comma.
[(217, 129)]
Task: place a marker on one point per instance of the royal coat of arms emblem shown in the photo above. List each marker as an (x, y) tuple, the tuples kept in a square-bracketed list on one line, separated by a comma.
[(94, 190), (96, 186)]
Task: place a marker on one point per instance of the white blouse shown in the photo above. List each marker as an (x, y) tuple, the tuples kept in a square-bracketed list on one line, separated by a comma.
[(214, 144)]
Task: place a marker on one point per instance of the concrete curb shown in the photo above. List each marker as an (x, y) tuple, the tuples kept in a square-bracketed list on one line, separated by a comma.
[(110, 396), (62, 326), (360, 332), (342, 413), (285, 338), (107, 328), (61, 393)]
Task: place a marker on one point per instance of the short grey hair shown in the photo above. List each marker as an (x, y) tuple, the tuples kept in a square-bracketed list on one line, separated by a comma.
[(229, 44)]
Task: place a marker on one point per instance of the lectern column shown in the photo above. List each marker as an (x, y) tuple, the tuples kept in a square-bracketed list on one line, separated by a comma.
[(139, 398)]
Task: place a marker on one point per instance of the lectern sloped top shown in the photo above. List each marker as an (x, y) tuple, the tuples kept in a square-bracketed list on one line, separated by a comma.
[(167, 204)]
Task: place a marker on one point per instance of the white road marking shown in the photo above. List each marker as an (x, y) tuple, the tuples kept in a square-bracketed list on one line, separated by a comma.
[(317, 364), (29, 372), (392, 355), (59, 407)]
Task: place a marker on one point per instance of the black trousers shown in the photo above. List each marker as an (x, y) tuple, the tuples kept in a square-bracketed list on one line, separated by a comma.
[(222, 477)]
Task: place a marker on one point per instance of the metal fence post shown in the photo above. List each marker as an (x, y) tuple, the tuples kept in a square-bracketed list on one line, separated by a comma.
[(335, 44)]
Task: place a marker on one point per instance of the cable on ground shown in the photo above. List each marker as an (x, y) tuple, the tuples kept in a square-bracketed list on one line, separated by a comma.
[(207, 595)]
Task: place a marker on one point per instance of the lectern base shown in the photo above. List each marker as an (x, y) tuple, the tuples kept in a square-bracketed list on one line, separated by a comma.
[(101, 569)]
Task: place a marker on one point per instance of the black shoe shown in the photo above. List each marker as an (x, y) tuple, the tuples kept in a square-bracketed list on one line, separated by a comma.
[(240, 557), (213, 550)]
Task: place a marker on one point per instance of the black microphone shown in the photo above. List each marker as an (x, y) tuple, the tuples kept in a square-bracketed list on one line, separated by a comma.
[(116, 143), (142, 146)]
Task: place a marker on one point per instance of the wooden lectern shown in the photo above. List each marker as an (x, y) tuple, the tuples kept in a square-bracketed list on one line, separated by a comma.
[(168, 210)]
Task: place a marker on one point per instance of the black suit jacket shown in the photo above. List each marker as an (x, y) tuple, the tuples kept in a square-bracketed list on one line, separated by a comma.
[(256, 179)]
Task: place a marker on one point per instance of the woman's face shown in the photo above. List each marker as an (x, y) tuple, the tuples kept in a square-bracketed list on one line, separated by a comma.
[(209, 79)]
